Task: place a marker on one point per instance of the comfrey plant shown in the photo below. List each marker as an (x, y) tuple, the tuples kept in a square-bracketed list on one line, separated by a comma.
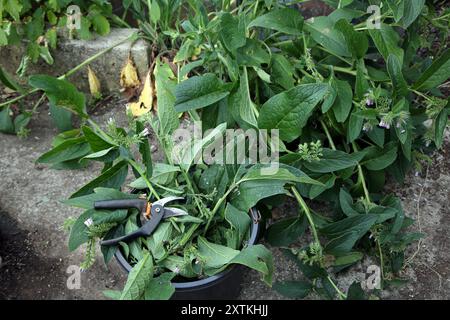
[(218, 199), (353, 105)]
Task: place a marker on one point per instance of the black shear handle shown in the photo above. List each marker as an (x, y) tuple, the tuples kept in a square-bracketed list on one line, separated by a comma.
[(121, 204), (125, 238)]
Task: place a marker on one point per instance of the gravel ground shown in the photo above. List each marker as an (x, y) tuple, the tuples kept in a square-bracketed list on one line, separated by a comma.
[(35, 258)]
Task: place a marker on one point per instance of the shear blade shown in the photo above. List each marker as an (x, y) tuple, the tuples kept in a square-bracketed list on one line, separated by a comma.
[(164, 201), (173, 212)]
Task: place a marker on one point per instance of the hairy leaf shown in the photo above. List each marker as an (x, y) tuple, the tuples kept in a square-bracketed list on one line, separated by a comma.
[(289, 111)]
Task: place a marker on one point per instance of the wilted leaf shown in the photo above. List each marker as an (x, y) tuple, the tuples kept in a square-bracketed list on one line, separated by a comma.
[(94, 84), (138, 279), (145, 102), (128, 75)]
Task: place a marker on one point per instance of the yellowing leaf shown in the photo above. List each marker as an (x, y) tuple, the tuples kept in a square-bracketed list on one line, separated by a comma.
[(128, 75), (94, 84), (145, 102)]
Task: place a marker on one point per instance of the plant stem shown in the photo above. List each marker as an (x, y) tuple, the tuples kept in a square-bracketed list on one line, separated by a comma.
[(361, 177), (307, 213), (367, 196), (330, 139), (191, 188), (341, 295), (38, 103), (421, 95), (337, 56), (363, 182), (315, 235), (218, 205), (380, 252), (147, 182), (72, 71)]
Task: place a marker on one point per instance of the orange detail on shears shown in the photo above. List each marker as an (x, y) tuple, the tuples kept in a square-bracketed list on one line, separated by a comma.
[(148, 210)]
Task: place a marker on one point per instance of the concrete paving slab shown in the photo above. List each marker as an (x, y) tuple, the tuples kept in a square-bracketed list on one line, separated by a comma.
[(71, 53)]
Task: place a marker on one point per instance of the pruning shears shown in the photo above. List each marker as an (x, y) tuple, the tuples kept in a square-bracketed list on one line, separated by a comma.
[(152, 212)]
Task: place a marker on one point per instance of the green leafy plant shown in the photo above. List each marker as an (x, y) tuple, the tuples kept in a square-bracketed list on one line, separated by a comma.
[(218, 198), (362, 93), (354, 106), (39, 23), (64, 98)]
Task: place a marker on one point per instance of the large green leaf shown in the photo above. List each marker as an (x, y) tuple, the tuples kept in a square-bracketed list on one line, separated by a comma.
[(327, 181), (441, 124), (160, 288), (165, 83), (96, 140), (8, 81), (411, 11), (62, 118), (258, 258), (239, 221), (377, 158), (323, 32), (6, 121), (3, 39), (361, 84), (285, 232), (252, 54), (13, 7), (193, 151), (79, 231), (355, 292), (355, 126), (199, 92), (348, 259), (138, 279), (232, 31), (250, 192), (342, 244), (100, 24), (109, 216), (357, 42), (343, 103), (241, 105), (334, 160), (111, 178), (68, 150), (285, 20), (162, 174), (289, 111), (144, 149), (293, 288), (386, 40), (394, 68), (346, 203), (60, 93), (257, 172), (282, 71), (359, 224), (158, 239), (437, 73), (215, 256)]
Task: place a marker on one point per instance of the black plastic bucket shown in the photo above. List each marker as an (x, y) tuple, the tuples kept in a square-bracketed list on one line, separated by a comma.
[(224, 285)]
